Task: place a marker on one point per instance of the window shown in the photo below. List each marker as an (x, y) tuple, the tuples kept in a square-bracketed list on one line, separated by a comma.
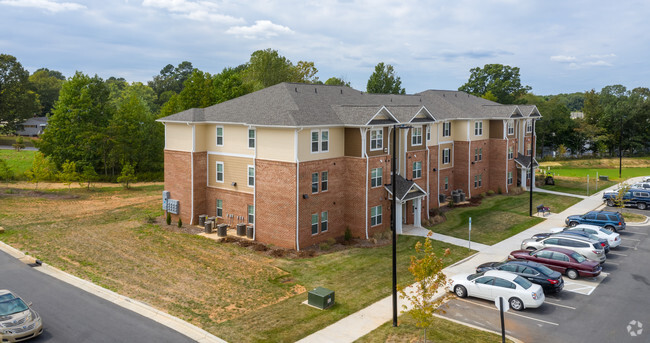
[(376, 177), (480, 180), (476, 154), (445, 156), (325, 140), (219, 136), (314, 182), (478, 128), (446, 129), (529, 149), (251, 138), (545, 254), (376, 139), (251, 214), (510, 178), (314, 141), (529, 125), (320, 140), (314, 223), (446, 182), (511, 152), (251, 176), (486, 280), (416, 136), (375, 215), (480, 154), (323, 181), (475, 181), (559, 257), (417, 170), (219, 171), (219, 208), (499, 282), (428, 132), (323, 221), (511, 127)]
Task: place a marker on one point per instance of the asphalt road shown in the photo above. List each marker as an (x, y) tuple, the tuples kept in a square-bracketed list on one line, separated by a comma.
[(73, 315), (596, 310)]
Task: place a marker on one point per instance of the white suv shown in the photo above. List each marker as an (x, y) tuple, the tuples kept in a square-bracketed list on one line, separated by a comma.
[(589, 248)]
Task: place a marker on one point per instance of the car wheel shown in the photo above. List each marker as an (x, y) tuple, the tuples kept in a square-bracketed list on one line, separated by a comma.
[(531, 249), (516, 304), (610, 202), (572, 274), (611, 228), (460, 291), (641, 206)]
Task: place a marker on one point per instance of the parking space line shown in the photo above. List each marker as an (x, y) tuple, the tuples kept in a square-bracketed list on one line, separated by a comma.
[(637, 233), (632, 239), (617, 254), (612, 263), (560, 305), (511, 313)]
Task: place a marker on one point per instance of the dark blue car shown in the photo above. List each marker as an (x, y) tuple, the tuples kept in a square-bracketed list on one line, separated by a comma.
[(612, 221)]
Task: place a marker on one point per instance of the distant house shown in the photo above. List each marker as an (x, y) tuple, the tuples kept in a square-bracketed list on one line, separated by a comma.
[(33, 127), (576, 115)]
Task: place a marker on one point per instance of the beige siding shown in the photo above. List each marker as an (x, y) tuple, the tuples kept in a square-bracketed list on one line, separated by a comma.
[(459, 129), (178, 137), (202, 132), (449, 146), (486, 130), (275, 144), (235, 139), (434, 134), (235, 170), (336, 144)]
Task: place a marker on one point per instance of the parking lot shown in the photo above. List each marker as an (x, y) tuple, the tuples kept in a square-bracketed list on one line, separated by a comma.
[(607, 308)]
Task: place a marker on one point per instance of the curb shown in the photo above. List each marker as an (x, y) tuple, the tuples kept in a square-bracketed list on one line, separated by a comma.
[(138, 307), (476, 327)]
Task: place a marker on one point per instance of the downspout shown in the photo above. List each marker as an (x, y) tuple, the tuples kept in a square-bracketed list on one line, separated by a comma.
[(428, 181), (192, 173), (254, 185), (507, 148), (295, 152), (438, 169), (469, 159), (364, 153)]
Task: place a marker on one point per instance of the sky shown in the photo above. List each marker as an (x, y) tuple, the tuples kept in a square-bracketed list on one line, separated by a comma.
[(560, 46)]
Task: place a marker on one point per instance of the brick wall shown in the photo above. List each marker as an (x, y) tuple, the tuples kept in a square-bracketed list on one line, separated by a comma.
[(178, 181), (498, 155), (480, 167), (376, 196), (200, 182), (461, 161), (233, 202), (275, 203), (434, 187)]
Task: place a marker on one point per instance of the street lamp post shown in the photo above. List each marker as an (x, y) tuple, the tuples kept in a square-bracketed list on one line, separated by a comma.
[(620, 149), (393, 208)]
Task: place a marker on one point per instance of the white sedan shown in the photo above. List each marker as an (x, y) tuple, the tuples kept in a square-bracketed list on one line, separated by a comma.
[(491, 284), (613, 238)]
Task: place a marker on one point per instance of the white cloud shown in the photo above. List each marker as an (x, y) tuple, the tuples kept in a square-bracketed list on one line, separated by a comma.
[(261, 29), (560, 58), (194, 10), (48, 5)]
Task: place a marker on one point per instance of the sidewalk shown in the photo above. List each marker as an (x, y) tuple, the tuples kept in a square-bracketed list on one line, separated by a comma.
[(363, 322)]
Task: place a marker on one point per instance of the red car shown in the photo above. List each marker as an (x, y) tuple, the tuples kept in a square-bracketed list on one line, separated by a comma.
[(562, 260)]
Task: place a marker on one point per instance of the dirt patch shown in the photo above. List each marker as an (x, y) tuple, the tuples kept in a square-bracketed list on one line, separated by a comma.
[(18, 192)]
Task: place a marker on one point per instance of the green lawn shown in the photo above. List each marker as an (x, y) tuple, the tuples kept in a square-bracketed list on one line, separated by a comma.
[(19, 162), (11, 140), (612, 173), (499, 216), (442, 330), (576, 185)]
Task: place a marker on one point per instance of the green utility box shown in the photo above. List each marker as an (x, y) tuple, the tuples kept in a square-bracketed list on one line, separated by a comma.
[(320, 297)]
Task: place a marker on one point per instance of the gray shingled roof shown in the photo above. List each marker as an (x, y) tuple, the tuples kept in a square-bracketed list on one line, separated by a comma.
[(298, 104), (405, 189), (524, 161)]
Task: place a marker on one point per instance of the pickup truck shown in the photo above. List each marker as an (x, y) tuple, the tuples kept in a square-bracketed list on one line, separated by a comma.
[(633, 197)]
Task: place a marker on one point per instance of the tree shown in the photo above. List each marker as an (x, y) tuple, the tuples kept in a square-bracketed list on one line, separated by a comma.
[(502, 81), (428, 276), (20, 143), (306, 72), (47, 85), (42, 169), (170, 81), (335, 81), (384, 81), (557, 127), (128, 175), (88, 176), (17, 100), (267, 68), (6, 173), (68, 173), (229, 84)]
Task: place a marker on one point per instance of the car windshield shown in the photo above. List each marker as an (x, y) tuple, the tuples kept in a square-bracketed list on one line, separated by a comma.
[(605, 231), (474, 276), (6, 296), (12, 306), (545, 270), (523, 282), (578, 257)]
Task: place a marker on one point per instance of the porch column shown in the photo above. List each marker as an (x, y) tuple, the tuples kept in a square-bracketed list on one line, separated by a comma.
[(398, 218)]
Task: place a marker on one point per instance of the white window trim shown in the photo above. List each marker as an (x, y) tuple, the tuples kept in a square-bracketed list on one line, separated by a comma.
[(380, 216), (446, 183), (511, 127), (312, 224), (445, 126), (325, 215), (428, 133), (511, 152), (311, 141), (378, 176), (418, 169), (448, 152), (219, 208), (320, 140), (216, 136), (254, 138), (248, 176), (381, 139), (223, 172), (317, 182), (478, 128), (529, 125), (414, 136), (248, 216), (509, 179), (327, 181)]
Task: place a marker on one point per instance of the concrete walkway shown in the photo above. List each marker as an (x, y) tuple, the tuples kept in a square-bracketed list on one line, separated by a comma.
[(540, 190), (411, 230), (363, 322)]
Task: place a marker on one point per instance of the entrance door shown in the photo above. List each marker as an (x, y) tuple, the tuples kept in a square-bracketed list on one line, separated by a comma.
[(417, 216)]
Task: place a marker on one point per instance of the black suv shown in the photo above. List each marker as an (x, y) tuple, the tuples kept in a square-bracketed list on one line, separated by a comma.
[(550, 280)]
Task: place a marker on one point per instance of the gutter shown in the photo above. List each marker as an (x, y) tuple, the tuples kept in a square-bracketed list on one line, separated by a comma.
[(295, 151), (192, 172), (365, 153)]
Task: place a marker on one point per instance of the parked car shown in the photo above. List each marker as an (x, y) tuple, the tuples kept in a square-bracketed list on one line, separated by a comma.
[(613, 238), (587, 247), (646, 179), (612, 221), (638, 197), (18, 321), (562, 260), (641, 185), (519, 292), (569, 231), (550, 280)]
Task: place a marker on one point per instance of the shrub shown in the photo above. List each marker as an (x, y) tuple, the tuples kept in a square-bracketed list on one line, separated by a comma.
[(499, 190), (169, 218), (490, 192), (347, 236), (180, 222), (482, 195)]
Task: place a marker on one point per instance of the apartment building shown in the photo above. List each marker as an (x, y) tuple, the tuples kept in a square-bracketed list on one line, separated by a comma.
[(302, 163)]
